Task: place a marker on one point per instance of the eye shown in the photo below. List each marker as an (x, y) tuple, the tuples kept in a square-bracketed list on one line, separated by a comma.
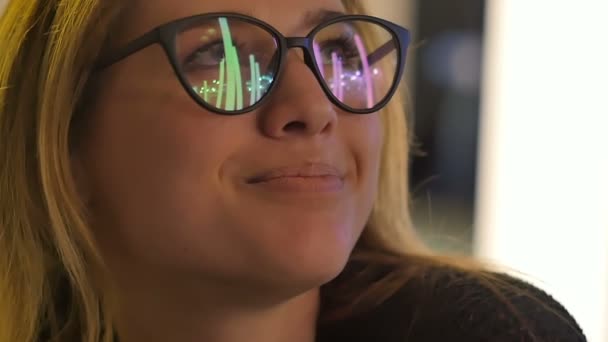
[(344, 46), (209, 55)]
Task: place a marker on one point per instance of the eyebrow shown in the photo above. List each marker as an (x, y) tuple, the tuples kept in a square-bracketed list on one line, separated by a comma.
[(315, 17), (310, 19)]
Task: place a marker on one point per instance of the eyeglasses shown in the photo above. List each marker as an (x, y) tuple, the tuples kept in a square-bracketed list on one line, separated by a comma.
[(229, 63)]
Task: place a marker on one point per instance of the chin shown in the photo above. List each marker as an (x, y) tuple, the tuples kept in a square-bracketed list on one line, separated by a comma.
[(301, 253), (321, 271), (307, 268), (299, 280)]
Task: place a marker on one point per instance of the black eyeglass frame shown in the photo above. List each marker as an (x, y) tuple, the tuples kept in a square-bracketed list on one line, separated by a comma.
[(166, 36)]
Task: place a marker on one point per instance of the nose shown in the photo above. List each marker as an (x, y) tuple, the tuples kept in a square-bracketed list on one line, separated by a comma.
[(298, 107)]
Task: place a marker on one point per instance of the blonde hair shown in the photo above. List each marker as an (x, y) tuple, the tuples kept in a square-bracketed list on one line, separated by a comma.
[(47, 51)]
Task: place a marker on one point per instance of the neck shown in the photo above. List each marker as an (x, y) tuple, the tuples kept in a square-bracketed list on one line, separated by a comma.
[(166, 313)]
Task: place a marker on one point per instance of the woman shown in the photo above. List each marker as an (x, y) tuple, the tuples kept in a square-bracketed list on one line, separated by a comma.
[(174, 174)]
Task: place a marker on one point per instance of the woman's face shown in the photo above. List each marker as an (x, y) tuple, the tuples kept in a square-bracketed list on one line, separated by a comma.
[(275, 196)]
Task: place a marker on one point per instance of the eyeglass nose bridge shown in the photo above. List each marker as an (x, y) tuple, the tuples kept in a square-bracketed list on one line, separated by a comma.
[(293, 42), (303, 43)]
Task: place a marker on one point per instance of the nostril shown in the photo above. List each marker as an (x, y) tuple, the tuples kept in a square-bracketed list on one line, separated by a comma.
[(294, 126)]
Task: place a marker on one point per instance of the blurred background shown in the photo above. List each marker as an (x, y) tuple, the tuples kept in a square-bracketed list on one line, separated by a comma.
[(444, 75), (511, 119)]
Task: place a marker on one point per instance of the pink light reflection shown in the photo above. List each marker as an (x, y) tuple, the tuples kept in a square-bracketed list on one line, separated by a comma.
[(337, 68), (366, 70), (319, 58)]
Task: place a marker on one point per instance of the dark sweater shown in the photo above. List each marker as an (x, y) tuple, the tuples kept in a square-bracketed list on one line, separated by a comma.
[(450, 306), (459, 307)]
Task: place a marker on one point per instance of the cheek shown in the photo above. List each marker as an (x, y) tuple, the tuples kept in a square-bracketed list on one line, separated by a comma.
[(367, 147), (155, 169), (369, 152), (364, 139)]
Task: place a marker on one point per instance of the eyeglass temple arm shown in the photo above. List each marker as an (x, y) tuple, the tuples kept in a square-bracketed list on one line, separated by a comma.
[(140, 43), (380, 52)]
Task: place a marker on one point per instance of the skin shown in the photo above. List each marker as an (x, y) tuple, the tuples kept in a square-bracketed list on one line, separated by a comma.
[(197, 252)]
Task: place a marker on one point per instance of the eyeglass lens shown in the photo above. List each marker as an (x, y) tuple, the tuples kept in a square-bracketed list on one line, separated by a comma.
[(231, 63)]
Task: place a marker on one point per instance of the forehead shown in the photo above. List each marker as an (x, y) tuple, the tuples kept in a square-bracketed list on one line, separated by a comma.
[(284, 15)]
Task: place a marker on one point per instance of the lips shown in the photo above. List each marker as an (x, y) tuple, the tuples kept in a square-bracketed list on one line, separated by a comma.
[(307, 179), (305, 171)]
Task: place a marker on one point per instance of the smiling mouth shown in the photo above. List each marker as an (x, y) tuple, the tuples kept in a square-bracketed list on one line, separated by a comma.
[(306, 178)]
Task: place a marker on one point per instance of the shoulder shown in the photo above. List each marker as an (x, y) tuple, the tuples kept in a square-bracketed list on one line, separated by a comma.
[(451, 305)]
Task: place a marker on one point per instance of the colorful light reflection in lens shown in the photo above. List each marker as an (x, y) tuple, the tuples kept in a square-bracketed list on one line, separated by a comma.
[(367, 76)]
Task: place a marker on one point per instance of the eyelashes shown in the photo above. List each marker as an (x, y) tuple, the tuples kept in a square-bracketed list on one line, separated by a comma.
[(211, 54), (343, 45)]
